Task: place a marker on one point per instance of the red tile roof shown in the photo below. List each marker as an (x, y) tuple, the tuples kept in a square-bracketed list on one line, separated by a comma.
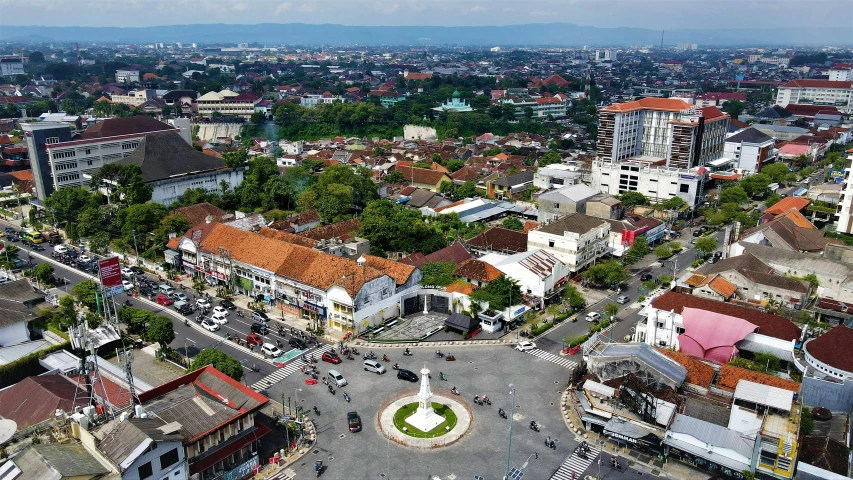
[(477, 270), (698, 372), (817, 84), (400, 272), (833, 348), (730, 375), (35, 399), (786, 204), (650, 103), (770, 325)]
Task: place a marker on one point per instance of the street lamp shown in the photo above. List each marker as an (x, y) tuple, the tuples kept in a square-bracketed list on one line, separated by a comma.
[(512, 414), (135, 247)]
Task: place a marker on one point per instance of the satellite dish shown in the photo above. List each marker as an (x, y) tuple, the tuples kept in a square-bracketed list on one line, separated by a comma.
[(7, 429)]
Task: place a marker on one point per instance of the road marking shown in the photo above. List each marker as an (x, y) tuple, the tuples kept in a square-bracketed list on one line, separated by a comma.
[(284, 474), (575, 464), (563, 362), (287, 370)]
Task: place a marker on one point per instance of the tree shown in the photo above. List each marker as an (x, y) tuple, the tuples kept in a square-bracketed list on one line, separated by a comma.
[(438, 273), (735, 195), (663, 251), (512, 223), (675, 247), (611, 309), (501, 293), (161, 330), (630, 199), (455, 164), (36, 57), (806, 421), (220, 361), (258, 118), (608, 273), (573, 297), (706, 245), (86, 293), (674, 203), (66, 203), (776, 171), (395, 178), (43, 272), (772, 199), (550, 158), (638, 250), (235, 159), (66, 315), (756, 185), (734, 108)]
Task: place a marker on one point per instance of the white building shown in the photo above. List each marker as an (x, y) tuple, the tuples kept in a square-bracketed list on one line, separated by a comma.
[(577, 240), (841, 73), (227, 102), (11, 66), (537, 272), (146, 448), (750, 149), (817, 92), (605, 55), (291, 148), (127, 76), (651, 178), (556, 176), (134, 98), (845, 212)]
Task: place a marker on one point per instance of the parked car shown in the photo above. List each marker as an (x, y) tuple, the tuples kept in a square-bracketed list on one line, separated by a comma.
[(254, 339), (37, 247), (209, 324), (297, 343), (623, 299), (407, 375), (525, 346), (183, 308), (164, 300), (146, 290), (271, 350), (180, 296), (593, 316), (84, 258), (331, 358), (128, 285), (259, 328), (126, 272), (697, 233), (227, 304), (354, 422), (645, 277), (136, 270)]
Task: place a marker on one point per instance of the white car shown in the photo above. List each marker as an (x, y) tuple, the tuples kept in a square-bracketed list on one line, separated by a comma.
[(126, 272), (209, 324), (202, 303), (128, 286), (60, 249), (83, 259), (593, 317), (271, 350), (525, 346), (219, 310), (219, 318)]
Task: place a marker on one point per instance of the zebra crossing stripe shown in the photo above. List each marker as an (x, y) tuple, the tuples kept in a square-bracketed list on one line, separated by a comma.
[(575, 464), (550, 357), (286, 371)]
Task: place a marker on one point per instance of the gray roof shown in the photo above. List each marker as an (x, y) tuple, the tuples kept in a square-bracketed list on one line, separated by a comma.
[(167, 155), (714, 436), (766, 395), (517, 179), (129, 434), (20, 291), (56, 461), (648, 355), (749, 135), (780, 128), (775, 111), (573, 193), (801, 262), (575, 223)]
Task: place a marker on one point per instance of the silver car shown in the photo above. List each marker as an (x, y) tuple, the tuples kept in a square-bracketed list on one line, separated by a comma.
[(622, 300)]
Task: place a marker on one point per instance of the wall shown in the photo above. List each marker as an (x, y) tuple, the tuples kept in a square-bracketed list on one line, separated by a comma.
[(176, 471), (14, 334), (167, 191), (417, 132), (837, 397), (209, 131)]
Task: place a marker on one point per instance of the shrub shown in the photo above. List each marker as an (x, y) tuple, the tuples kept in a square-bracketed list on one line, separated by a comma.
[(537, 330), (578, 340)]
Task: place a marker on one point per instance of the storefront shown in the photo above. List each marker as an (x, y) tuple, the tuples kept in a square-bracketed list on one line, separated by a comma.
[(704, 464), (635, 436)]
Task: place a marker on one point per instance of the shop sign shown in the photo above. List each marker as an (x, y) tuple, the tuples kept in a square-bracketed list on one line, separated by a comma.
[(217, 275), (314, 308), (242, 470), (619, 436), (688, 177)]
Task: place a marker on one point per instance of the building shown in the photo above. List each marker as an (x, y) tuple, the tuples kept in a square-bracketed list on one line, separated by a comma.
[(709, 446), (229, 103), (790, 232), (817, 92), (134, 98), (841, 72), (556, 176), (605, 55), (577, 240), (562, 202), (145, 448), (664, 128), (127, 76), (651, 177), (454, 104), (60, 160), (845, 202), (172, 166), (755, 280), (750, 149), (507, 186), (498, 239), (11, 65), (829, 354), (56, 461), (718, 99), (539, 273), (423, 177)]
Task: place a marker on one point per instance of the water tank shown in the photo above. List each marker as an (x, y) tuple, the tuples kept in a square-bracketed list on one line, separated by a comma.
[(137, 410), (90, 412)]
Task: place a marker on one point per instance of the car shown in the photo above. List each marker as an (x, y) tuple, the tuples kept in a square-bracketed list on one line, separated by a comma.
[(27, 243), (202, 303), (254, 339), (718, 255), (354, 422), (126, 272), (331, 357), (297, 343), (271, 350), (183, 308), (525, 346), (697, 233), (219, 318), (209, 324), (220, 310), (84, 258), (227, 304), (407, 375), (164, 300), (136, 270), (260, 316), (37, 247), (623, 299), (645, 277), (692, 241), (146, 290), (180, 296), (128, 286), (13, 238), (259, 328), (713, 260), (593, 316)]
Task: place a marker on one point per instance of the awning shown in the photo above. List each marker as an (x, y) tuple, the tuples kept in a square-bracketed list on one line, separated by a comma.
[(632, 432)]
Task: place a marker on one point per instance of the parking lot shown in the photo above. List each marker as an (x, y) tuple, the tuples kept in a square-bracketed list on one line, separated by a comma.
[(478, 370)]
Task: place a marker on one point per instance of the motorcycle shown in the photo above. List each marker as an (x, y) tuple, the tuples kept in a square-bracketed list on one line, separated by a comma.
[(346, 397), (502, 413), (477, 400), (582, 454), (227, 335), (318, 467), (439, 354), (182, 286), (385, 358), (255, 368), (354, 351), (304, 358), (396, 366), (313, 358), (240, 314), (331, 389), (534, 426), (486, 400), (369, 356), (316, 410), (407, 353), (523, 334), (127, 303), (454, 391), (314, 375), (450, 358), (550, 444), (350, 357), (278, 343), (441, 376)]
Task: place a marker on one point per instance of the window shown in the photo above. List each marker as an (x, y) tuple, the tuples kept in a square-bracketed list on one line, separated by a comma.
[(551, 243), (88, 151), (145, 471), (684, 188), (51, 140), (168, 459)]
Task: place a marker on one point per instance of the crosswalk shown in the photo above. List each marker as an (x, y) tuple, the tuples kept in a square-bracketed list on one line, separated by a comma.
[(563, 362), (284, 474), (284, 372), (576, 465)]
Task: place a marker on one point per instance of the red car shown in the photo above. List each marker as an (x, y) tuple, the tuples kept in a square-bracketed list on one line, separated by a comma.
[(254, 339), (164, 300), (331, 358)]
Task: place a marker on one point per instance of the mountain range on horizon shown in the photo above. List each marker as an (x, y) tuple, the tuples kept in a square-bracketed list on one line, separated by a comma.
[(542, 34)]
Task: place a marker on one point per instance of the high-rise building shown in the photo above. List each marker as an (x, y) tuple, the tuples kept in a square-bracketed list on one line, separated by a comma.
[(817, 92)]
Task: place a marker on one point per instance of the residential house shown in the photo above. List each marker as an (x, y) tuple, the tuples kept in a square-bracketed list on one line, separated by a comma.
[(750, 149), (57, 461), (455, 253), (757, 281), (788, 232), (423, 177), (498, 239), (539, 273), (507, 186), (564, 201), (576, 239), (145, 448), (556, 176), (227, 102), (477, 272)]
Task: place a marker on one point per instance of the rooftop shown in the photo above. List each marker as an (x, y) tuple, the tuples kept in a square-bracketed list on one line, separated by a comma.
[(574, 223), (113, 127), (165, 156), (730, 376), (832, 347), (500, 239)]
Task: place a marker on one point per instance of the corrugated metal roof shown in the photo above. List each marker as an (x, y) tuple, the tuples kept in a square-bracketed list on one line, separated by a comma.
[(713, 436), (650, 356), (599, 388), (764, 395)]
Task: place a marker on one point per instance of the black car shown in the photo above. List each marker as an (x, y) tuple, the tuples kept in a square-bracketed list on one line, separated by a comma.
[(354, 422), (297, 343), (645, 277), (260, 328), (27, 243), (146, 290), (260, 316), (13, 238), (38, 247), (697, 233), (185, 309), (407, 375), (227, 304)]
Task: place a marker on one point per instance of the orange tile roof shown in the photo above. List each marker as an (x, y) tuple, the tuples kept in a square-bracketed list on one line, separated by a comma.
[(698, 372), (460, 286), (477, 270), (786, 204), (799, 219), (723, 286), (400, 272), (287, 237), (730, 375), (696, 280), (649, 103)]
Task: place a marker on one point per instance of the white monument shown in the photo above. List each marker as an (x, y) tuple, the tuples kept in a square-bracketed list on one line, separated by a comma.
[(425, 418)]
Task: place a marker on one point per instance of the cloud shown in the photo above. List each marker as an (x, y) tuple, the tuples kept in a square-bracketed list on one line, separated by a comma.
[(380, 7), (284, 7), (478, 9), (308, 8), (239, 7)]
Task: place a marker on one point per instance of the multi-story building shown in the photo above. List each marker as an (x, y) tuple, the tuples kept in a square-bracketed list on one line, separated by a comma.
[(127, 76), (605, 55), (134, 98), (817, 92), (577, 239), (651, 177), (749, 149), (227, 102), (60, 160), (845, 202), (841, 72), (314, 99), (11, 66)]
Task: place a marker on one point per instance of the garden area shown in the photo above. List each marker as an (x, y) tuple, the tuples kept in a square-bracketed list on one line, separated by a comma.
[(408, 410)]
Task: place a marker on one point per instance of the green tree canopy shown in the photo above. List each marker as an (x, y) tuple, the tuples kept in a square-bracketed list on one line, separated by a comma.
[(500, 293), (395, 178), (573, 297), (393, 228), (735, 195), (706, 244), (85, 292), (43, 272), (756, 185), (550, 158), (455, 164), (220, 361), (638, 250), (776, 171), (512, 223), (663, 251), (630, 199), (66, 203), (438, 273), (161, 330), (606, 273)]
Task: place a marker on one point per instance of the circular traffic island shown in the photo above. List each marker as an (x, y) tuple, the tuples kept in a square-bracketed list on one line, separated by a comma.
[(444, 412), (398, 419)]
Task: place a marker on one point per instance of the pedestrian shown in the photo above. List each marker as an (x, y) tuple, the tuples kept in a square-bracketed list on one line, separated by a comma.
[(536, 455)]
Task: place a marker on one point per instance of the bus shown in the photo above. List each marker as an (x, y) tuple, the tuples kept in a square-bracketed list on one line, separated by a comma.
[(32, 235)]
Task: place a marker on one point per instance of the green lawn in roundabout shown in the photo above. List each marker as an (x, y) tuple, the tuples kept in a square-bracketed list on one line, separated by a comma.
[(407, 410)]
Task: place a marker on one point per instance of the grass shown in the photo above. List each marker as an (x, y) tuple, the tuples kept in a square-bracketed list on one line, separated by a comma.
[(407, 410)]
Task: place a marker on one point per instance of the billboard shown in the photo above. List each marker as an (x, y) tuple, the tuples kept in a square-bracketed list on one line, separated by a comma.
[(836, 176), (110, 271)]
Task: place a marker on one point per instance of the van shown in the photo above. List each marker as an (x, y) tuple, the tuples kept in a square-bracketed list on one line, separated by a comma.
[(593, 316), (335, 378), (165, 289), (373, 366)]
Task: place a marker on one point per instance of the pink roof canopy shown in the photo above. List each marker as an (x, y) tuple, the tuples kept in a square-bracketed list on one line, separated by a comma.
[(711, 335)]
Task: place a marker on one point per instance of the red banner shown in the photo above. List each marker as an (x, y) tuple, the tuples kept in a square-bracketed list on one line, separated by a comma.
[(110, 272)]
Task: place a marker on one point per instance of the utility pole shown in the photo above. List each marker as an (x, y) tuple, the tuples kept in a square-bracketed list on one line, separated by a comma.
[(511, 415)]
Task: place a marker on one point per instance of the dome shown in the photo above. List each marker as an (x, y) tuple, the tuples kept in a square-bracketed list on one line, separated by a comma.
[(456, 94)]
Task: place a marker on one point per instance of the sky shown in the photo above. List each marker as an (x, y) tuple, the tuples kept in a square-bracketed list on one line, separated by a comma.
[(652, 14)]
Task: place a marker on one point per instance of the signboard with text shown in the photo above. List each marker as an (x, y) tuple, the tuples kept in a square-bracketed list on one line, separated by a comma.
[(110, 271)]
